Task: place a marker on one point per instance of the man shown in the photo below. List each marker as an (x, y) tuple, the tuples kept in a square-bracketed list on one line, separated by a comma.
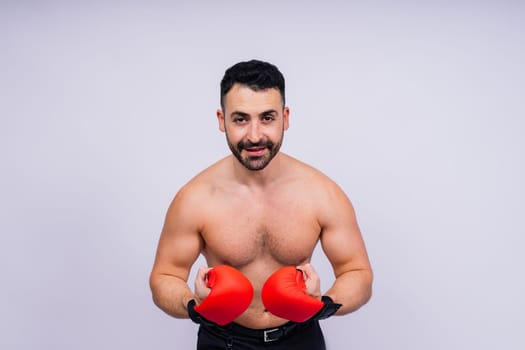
[(259, 211)]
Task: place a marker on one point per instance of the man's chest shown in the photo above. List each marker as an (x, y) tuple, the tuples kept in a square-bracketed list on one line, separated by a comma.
[(239, 233)]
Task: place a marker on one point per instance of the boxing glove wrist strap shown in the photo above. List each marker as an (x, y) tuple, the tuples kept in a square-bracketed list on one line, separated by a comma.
[(195, 316), (328, 309)]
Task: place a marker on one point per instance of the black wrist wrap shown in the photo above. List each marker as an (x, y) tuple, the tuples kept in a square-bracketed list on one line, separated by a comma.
[(195, 316), (328, 309)]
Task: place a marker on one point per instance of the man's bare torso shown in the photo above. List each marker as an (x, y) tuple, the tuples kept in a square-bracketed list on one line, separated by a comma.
[(258, 230)]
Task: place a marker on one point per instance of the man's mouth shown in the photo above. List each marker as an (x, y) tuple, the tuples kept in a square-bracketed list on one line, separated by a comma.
[(255, 151)]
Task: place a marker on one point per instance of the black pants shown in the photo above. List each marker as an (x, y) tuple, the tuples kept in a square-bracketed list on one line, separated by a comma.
[(304, 336)]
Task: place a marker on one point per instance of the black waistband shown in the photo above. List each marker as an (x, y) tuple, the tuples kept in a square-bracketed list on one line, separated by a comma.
[(265, 335)]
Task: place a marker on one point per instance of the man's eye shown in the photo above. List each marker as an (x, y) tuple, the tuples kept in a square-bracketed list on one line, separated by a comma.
[(268, 118), (239, 120)]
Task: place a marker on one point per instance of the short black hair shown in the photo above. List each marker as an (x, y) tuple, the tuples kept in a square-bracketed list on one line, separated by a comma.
[(255, 74)]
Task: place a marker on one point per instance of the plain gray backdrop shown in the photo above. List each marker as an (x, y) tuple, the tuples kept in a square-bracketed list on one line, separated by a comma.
[(415, 108)]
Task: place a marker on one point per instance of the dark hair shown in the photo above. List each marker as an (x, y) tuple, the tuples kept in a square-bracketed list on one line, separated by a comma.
[(257, 75)]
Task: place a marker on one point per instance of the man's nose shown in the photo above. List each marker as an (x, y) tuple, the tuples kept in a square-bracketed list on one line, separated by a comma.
[(254, 132)]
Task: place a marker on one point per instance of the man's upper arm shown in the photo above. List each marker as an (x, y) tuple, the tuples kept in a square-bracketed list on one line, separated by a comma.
[(180, 241), (341, 238)]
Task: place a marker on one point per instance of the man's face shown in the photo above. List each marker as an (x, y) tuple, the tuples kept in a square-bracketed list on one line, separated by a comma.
[(254, 123)]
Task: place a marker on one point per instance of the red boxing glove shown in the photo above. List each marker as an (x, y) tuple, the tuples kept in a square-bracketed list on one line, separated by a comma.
[(284, 295), (231, 294)]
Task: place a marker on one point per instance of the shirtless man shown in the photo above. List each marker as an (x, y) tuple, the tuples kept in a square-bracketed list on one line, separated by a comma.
[(259, 210)]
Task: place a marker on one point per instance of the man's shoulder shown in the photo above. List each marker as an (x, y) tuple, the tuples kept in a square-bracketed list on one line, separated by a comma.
[(205, 182), (307, 172), (315, 182), (210, 173)]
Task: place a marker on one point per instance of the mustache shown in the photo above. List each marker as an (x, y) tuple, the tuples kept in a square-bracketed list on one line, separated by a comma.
[(247, 144)]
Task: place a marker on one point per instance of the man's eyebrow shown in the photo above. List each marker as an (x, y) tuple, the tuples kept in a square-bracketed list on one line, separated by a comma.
[(270, 111), (239, 114)]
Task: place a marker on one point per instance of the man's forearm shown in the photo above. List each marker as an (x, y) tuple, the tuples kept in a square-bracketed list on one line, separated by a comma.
[(171, 294), (352, 289)]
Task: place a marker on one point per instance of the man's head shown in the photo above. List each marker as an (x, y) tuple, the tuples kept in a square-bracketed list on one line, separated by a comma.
[(253, 114)]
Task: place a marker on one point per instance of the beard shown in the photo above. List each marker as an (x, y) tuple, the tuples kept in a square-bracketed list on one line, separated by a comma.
[(255, 163)]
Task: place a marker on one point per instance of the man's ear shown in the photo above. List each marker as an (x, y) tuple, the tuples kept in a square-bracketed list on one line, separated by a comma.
[(286, 118), (220, 118)]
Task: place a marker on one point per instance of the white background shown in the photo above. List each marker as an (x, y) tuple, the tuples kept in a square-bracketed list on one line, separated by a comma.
[(415, 108)]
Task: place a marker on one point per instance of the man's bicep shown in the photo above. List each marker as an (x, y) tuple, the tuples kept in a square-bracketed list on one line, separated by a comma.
[(180, 242), (341, 237)]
